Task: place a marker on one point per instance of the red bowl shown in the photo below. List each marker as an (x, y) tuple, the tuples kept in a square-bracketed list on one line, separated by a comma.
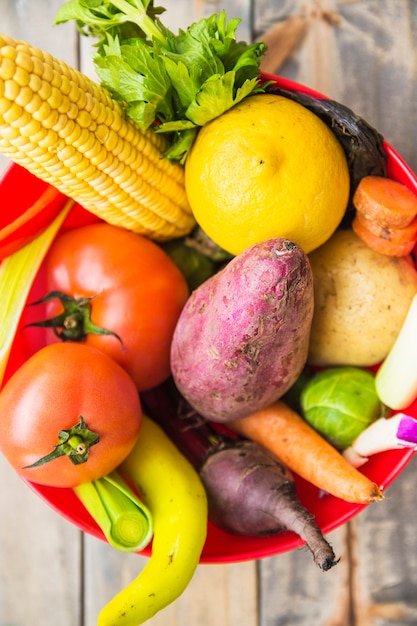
[(19, 189)]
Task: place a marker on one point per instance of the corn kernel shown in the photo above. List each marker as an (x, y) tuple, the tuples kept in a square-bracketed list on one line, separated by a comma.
[(34, 104), (47, 73), (10, 53), (84, 119), (55, 98), (11, 90), (12, 114), (72, 110), (42, 112), (24, 96), (25, 61), (65, 127), (8, 132)]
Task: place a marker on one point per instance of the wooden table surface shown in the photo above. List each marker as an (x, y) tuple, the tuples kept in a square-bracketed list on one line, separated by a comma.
[(364, 54)]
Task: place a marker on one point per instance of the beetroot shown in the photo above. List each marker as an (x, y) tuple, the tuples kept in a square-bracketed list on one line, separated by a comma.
[(249, 491)]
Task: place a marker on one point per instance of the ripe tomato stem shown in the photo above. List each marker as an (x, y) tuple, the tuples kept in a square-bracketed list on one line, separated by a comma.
[(75, 442), (74, 323)]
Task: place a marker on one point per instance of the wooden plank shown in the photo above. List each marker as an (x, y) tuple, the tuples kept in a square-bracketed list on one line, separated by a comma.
[(106, 572), (217, 594), (375, 582), (294, 591), (40, 559), (40, 552), (384, 557)]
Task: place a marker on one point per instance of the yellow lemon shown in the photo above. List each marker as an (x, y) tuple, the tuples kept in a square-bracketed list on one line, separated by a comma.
[(267, 168)]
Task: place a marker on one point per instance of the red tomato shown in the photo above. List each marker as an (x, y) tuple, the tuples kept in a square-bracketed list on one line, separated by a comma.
[(49, 393), (138, 293)]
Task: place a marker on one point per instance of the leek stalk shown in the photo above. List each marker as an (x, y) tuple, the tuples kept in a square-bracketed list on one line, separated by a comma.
[(125, 521), (396, 379)]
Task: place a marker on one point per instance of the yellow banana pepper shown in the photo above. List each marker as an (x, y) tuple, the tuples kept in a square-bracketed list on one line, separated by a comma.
[(175, 496)]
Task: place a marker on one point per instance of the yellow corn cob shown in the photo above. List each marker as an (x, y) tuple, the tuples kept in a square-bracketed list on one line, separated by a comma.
[(67, 130)]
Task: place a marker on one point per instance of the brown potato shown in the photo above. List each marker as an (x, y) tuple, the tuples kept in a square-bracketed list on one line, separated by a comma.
[(361, 298)]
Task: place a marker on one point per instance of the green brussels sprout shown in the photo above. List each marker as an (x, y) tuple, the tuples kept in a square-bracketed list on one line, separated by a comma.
[(340, 402)]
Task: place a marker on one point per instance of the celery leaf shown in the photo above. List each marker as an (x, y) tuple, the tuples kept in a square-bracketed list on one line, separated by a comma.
[(216, 96), (174, 83)]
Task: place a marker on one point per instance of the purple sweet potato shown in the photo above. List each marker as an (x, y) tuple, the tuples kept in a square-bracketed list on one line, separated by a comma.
[(242, 337)]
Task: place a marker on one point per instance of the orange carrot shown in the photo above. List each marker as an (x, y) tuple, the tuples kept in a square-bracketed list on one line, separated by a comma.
[(385, 201), (406, 234), (304, 451), (382, 244)]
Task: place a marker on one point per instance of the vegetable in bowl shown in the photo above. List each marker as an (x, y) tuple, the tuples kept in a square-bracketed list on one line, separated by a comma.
[(60, 425), (340, 402), (241, 339)]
